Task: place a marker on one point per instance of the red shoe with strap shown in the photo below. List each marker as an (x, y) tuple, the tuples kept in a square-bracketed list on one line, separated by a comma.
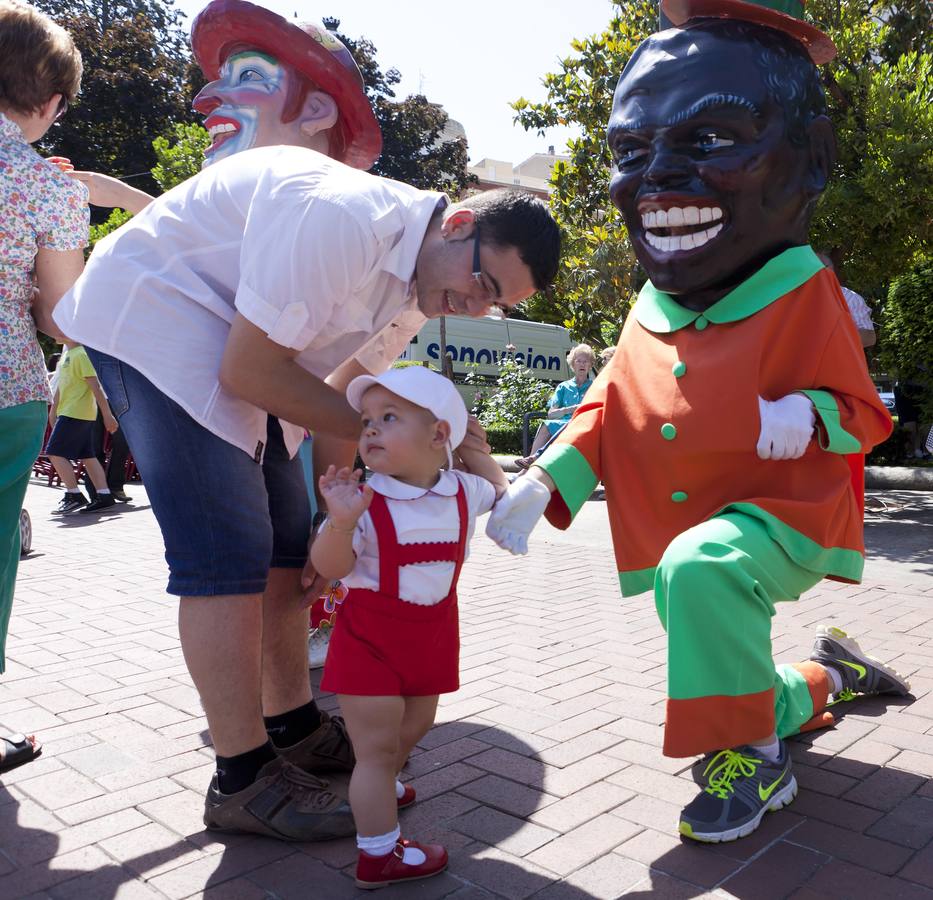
[(380, 871), (407, 798)]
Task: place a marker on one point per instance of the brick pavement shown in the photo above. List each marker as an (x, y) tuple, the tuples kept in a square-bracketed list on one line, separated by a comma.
[(543, 775)]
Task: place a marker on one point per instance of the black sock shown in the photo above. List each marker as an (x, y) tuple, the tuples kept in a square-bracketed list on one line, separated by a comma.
[(287, 729), (234, 773)]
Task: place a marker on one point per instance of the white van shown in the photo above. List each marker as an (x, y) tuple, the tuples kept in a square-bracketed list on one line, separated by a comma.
[(478, 344)]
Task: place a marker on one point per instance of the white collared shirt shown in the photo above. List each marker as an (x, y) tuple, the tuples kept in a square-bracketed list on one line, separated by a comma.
[(318, 255), (420, 516)]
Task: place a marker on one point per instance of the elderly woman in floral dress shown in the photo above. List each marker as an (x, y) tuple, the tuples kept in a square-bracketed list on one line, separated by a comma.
[(43, 228)]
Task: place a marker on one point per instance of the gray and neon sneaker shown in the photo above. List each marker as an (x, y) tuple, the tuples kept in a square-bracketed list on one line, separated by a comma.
[(741, 788), (860, 673)]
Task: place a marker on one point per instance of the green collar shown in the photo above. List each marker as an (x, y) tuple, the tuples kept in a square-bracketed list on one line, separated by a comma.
[(661, 313)]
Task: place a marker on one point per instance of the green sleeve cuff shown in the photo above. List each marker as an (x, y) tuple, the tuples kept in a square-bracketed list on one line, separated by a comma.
[(831, 435), (571, 473)]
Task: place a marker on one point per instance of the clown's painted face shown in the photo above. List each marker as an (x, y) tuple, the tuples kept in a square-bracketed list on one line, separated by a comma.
[(243, 107), (704, 171)]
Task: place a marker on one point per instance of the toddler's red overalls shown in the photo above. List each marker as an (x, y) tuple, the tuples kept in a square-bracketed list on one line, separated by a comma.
[(385, 646)]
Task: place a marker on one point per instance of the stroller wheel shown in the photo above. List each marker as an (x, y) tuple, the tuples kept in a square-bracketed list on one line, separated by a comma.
[(25, 533)]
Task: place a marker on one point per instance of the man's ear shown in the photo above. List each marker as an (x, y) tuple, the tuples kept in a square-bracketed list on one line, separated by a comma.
[(318, 114), (822, 154), (441, 434), (458, 224)]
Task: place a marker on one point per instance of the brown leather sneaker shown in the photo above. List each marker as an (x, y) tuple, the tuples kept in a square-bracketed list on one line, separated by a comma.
[(326, 749), (283, 803)]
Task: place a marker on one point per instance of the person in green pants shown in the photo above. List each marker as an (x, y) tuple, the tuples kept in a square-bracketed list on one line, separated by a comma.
[(43, 228)]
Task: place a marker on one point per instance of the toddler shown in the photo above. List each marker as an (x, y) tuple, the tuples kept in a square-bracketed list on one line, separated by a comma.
[(398, 544)]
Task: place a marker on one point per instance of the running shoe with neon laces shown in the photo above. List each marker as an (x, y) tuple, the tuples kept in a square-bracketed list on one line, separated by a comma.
[(860, 673), (741, 787)]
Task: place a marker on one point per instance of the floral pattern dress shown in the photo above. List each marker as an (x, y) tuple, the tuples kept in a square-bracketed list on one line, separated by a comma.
[(40, 207)]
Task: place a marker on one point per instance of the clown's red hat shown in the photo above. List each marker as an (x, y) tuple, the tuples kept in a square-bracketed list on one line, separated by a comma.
[(782, 15), (307, 47)]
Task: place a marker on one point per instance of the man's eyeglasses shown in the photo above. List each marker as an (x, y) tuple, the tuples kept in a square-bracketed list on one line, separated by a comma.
[(62, 107), (496, 310)]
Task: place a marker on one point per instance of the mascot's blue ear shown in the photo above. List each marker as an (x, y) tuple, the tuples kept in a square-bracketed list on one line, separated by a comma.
[(782, 15)]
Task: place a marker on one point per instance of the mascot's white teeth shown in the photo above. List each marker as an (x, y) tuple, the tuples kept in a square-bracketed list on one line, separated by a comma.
[(682, 241), (223, 128), (678, 216)]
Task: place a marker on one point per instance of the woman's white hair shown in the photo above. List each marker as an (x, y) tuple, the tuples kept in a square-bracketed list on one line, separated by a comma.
[(578, 350)]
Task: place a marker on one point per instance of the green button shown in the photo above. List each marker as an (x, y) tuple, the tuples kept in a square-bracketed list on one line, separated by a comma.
[(668, 431), (678, 496), (679, 369), (701, 323)]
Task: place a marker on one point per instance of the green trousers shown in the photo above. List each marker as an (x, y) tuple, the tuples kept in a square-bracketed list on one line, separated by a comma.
[(22, 428), (715, 591)]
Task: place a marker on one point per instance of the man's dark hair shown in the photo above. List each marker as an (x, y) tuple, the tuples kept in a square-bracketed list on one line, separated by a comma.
[(520, 220)]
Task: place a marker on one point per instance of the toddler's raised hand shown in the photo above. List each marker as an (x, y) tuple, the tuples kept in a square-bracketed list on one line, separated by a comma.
[(340, 489)]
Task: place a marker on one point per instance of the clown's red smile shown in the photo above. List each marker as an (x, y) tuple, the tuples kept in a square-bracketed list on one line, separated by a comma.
[(221, 129)]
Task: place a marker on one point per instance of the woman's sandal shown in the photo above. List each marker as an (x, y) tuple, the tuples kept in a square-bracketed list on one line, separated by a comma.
[(17, 750)]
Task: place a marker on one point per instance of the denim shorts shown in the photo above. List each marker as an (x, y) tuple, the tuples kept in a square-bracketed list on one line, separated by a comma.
[(225, 519)]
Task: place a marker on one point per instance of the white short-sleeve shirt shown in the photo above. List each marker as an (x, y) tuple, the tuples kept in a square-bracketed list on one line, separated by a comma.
[(420, 516), (318, 255), (859, 310)]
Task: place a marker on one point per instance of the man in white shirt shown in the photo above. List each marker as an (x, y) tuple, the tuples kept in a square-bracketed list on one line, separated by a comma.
[(225, 319), (858, 308)]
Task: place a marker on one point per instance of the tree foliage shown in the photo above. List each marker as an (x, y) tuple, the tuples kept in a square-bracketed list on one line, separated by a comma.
[(598, 272), (876, 211), (181, 156), (135, 84), (412, 149)]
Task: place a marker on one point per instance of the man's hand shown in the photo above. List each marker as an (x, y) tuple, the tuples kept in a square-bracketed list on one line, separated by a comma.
[(475, 438), (312, 584), (786, 426), (516, 513)]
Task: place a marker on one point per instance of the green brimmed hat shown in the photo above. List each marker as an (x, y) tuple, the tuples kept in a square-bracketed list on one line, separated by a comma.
[(782, 15)]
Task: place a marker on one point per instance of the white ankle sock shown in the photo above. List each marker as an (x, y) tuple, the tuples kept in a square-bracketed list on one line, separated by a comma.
[(771, 752), (103, 491), (384, 844), (399, 789), (835, 678), (379, 844)]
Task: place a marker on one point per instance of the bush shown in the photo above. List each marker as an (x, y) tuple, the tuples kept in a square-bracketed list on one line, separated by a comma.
[(907, 334), (517, 392), (890, 452), (505, 440)]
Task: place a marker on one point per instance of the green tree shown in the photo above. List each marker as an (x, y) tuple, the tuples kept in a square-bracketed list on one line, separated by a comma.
[(136, 85), (598, 273), (180, 157), (876, 210), (412, 149)]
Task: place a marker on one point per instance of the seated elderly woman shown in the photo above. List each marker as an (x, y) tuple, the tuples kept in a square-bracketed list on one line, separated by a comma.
[(43, 226), (564, 400)]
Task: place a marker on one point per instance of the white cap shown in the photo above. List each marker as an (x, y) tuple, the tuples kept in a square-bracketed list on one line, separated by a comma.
[(423, 387)]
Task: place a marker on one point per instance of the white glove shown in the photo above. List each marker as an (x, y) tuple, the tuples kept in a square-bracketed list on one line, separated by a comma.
[(516, 513), (786, 426)]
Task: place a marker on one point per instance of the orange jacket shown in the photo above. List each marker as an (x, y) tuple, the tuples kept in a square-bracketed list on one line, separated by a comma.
[(671, 425)]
